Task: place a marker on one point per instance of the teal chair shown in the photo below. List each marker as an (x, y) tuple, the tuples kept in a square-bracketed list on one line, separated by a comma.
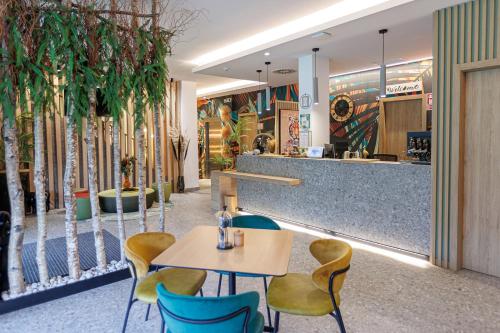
[(189, 314), (252, 222)]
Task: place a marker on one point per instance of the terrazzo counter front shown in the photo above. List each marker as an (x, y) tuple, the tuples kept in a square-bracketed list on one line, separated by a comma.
[(387, 203)]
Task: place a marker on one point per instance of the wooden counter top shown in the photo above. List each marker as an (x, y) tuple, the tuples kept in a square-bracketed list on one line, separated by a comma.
[(260, 177)]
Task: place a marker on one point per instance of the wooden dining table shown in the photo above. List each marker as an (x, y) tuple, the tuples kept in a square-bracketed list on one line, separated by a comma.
[(265, 252)]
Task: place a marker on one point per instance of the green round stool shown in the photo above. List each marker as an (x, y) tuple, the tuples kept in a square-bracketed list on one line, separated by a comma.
[(83, 209), (130, 200), (167, 190)]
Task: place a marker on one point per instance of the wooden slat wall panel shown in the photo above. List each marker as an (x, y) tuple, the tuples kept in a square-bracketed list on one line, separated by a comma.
[(463, 34), (55, 150)]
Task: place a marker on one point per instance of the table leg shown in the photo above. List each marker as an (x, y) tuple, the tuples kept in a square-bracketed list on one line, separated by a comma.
[(232, 283)]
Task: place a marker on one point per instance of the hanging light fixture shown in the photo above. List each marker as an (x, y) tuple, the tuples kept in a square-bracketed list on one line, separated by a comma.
[(259, 96), (383, 77), (315, 79), (268, 88)]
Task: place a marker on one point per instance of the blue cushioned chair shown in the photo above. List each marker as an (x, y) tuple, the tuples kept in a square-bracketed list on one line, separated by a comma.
[(252, 222), (189, 314)]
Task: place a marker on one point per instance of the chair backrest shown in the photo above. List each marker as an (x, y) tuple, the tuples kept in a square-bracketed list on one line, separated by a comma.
[(333, 255), (190, 314), (254, 222), (142, 248)]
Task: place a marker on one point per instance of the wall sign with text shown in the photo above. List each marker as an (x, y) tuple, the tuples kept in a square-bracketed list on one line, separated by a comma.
[(404, 88)]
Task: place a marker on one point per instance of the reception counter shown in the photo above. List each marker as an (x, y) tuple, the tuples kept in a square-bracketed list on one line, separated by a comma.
[(381, 202)]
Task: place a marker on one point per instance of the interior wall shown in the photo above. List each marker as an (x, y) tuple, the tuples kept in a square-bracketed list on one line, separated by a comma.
[(188, 122), (466, 34), (361, 130)]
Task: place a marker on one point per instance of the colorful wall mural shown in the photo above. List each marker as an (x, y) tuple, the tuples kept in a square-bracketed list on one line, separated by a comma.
[(362, 128), (246, 102)]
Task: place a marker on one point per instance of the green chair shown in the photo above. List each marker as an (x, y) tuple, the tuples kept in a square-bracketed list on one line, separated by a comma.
[(252, 222), (187, 314), (317, 294), (140, 250)]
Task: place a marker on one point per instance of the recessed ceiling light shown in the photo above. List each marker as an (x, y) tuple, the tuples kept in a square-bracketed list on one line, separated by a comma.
[(267, 54), (321, 35), (284, 71), (226, 69)]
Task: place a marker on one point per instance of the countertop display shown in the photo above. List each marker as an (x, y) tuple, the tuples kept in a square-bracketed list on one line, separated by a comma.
[(383, 202)]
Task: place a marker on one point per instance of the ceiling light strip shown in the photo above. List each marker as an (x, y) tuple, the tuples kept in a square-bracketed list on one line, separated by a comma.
[(339, 13), (378, 67)]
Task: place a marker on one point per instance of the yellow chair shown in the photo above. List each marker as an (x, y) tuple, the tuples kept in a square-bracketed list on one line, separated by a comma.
[(315, 294), (140, 250)]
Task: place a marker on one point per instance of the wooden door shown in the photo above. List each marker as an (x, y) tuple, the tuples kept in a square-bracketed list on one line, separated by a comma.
[(481, 172), (401, 117)]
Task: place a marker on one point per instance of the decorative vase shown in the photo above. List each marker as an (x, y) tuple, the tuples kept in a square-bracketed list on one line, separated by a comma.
[(126, 182), (180, 184)]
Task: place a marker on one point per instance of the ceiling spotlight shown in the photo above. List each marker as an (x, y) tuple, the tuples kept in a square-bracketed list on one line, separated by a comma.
[(321, 35), (267, 54), (226, 69)]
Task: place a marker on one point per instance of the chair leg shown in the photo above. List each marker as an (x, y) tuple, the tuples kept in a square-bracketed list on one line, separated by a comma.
[(162, 326), (147, 312), (267, 306), (131, 301), (220, 284), (340, 321), (201, 292), (276, 322)]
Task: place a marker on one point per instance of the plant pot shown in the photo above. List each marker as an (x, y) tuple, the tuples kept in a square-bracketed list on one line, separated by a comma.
[(126, 182), (180, 184), (167, 190)]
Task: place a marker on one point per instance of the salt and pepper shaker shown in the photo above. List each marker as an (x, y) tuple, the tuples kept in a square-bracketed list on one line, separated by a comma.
[(225, 222), (239, 238)]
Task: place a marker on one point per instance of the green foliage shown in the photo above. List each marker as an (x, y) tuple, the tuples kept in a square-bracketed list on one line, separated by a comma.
[(222, 162), (54, 41), (237, 130)]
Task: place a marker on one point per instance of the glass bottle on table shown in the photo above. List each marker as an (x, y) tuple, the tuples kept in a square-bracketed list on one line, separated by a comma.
[(225, 222)]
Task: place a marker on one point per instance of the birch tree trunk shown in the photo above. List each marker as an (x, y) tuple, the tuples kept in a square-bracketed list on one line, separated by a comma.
[(93, 191), (69, 196), (156, 119), (16, 197), (141, 174), (39, 180), (118, 187), (158, 166)]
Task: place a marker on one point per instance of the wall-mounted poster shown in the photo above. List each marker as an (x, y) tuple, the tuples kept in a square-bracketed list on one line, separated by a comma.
[(289, 130), (305, 121)]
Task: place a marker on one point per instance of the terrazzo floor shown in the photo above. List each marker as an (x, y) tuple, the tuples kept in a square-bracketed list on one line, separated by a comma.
[(380, 294)]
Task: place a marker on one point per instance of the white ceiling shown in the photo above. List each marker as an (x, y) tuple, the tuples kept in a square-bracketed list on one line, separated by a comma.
[(353, 45), (227, 21)]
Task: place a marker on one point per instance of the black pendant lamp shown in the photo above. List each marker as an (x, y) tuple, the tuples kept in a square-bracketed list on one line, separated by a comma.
[(259, 96), (383, 76), (268, 88), (315, 79)]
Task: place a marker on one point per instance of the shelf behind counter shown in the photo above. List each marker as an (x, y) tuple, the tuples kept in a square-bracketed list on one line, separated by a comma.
[(382, 202)]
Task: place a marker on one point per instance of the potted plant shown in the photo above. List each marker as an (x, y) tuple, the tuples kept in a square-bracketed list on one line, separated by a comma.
[(234, 139), (224, 163), (127, 167)]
